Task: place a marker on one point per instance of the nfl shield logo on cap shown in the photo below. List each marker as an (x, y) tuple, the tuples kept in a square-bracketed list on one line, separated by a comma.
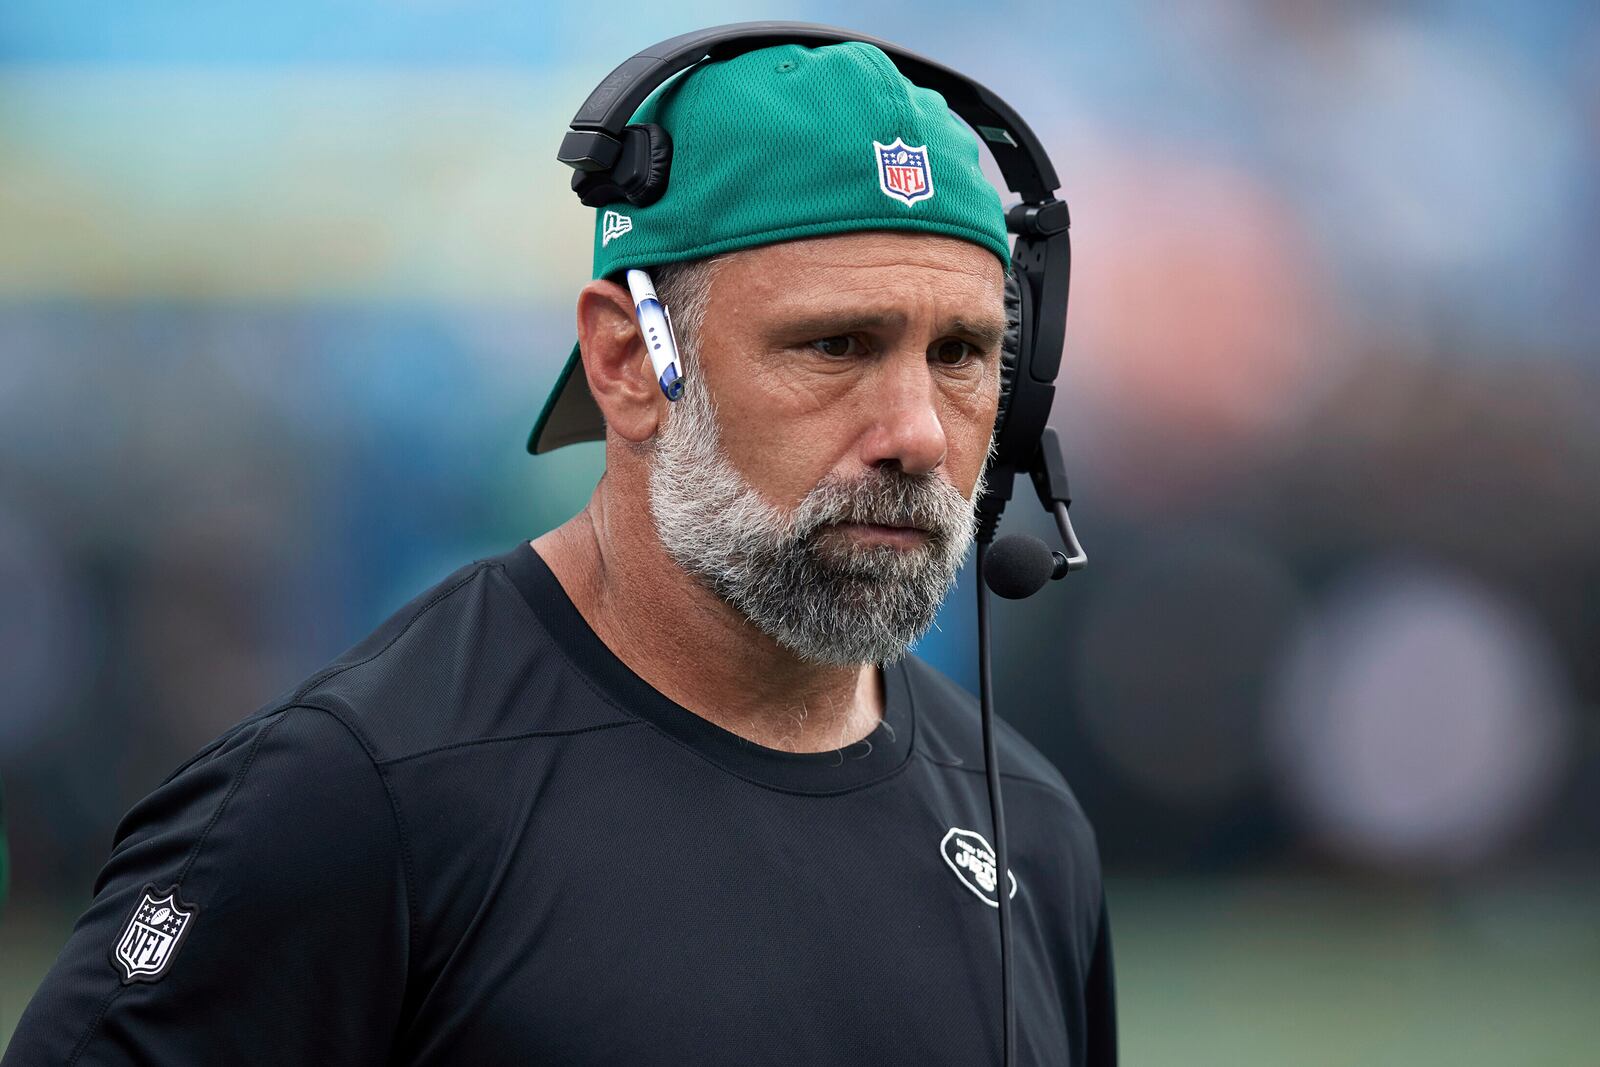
[(903, 171)]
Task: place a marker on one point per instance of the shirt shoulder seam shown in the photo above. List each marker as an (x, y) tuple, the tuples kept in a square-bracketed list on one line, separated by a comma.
[(524, 735), (407, 866), (1049, 787)]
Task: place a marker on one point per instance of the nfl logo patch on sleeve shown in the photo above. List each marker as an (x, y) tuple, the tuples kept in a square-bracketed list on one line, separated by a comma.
[(151, 938)]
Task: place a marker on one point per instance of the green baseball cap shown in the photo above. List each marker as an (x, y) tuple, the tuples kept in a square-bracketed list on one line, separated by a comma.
[(778, 144)]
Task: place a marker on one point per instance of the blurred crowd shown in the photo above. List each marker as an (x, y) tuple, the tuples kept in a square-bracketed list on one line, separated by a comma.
[(278, 307)]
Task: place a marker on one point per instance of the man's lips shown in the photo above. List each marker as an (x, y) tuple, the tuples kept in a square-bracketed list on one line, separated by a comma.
[(902, 536)]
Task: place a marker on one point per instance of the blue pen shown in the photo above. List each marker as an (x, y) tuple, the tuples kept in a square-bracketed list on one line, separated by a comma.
[(655, 323)]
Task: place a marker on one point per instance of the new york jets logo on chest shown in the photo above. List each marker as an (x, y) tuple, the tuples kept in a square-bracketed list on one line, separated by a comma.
[(969, 855)]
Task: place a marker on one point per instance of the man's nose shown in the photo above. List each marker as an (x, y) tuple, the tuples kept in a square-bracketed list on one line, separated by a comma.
[(905, 425)]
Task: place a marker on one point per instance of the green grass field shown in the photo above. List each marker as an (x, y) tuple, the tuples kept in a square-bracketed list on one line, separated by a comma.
[(1285, 973), (1267, 973)]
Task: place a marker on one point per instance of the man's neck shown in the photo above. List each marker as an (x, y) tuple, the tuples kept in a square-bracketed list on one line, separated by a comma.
[(692, 646)]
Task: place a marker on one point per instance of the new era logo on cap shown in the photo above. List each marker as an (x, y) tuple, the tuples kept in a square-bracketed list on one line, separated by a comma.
[(903, 171), (614, 224)]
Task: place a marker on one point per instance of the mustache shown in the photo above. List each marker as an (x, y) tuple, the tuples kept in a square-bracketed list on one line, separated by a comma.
[(887, 498)]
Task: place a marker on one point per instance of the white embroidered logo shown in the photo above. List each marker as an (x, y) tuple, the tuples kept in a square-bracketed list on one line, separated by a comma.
[(613, 224), (152, 936), (970, 856)]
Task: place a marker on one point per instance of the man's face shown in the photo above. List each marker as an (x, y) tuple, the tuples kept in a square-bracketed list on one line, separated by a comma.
[(819, 471)]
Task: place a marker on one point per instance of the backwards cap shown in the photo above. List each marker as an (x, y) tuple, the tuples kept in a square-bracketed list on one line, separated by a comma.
[(778, 144)]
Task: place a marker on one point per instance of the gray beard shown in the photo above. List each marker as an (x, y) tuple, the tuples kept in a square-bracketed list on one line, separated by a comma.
[(833, 603)]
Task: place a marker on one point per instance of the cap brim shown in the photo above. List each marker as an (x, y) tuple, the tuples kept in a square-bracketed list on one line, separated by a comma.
[(570, 415)]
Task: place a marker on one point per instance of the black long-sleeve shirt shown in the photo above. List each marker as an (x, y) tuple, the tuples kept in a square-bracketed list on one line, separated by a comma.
[(478, 837)]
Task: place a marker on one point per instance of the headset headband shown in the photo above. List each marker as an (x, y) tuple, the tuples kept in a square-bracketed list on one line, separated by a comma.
[(1041, 258), (596, 135)]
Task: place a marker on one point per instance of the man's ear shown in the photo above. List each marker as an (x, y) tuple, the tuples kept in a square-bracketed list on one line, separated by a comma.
[(616, 362)]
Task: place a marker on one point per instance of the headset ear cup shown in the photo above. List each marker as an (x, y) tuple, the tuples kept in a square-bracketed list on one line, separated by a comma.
[(1010, 345), (639, 175), (655, 162)]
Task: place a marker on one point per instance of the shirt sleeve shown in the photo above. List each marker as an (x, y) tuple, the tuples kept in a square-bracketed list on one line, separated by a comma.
[(254, 911), (1100, 999)]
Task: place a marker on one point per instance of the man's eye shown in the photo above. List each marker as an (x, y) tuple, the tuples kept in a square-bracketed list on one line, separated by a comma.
[(952, 353), (843, 345)]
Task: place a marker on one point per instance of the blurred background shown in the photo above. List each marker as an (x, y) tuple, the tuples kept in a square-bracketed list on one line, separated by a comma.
[(283, 285)]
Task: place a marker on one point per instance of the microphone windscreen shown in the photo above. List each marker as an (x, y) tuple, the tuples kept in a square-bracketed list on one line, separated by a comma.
[(1017, 566)]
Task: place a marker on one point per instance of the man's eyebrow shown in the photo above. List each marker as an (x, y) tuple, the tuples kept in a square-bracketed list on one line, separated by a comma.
[(824, 323), (982, 330), (985, 331)]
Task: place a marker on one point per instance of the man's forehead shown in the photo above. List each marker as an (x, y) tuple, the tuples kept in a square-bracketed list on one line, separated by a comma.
[(866, 274), (872, 250)]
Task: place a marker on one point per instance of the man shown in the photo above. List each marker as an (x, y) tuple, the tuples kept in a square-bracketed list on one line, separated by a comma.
[(660, 787)]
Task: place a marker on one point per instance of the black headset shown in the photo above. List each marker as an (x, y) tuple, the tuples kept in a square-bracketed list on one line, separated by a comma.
[(616, 161)]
